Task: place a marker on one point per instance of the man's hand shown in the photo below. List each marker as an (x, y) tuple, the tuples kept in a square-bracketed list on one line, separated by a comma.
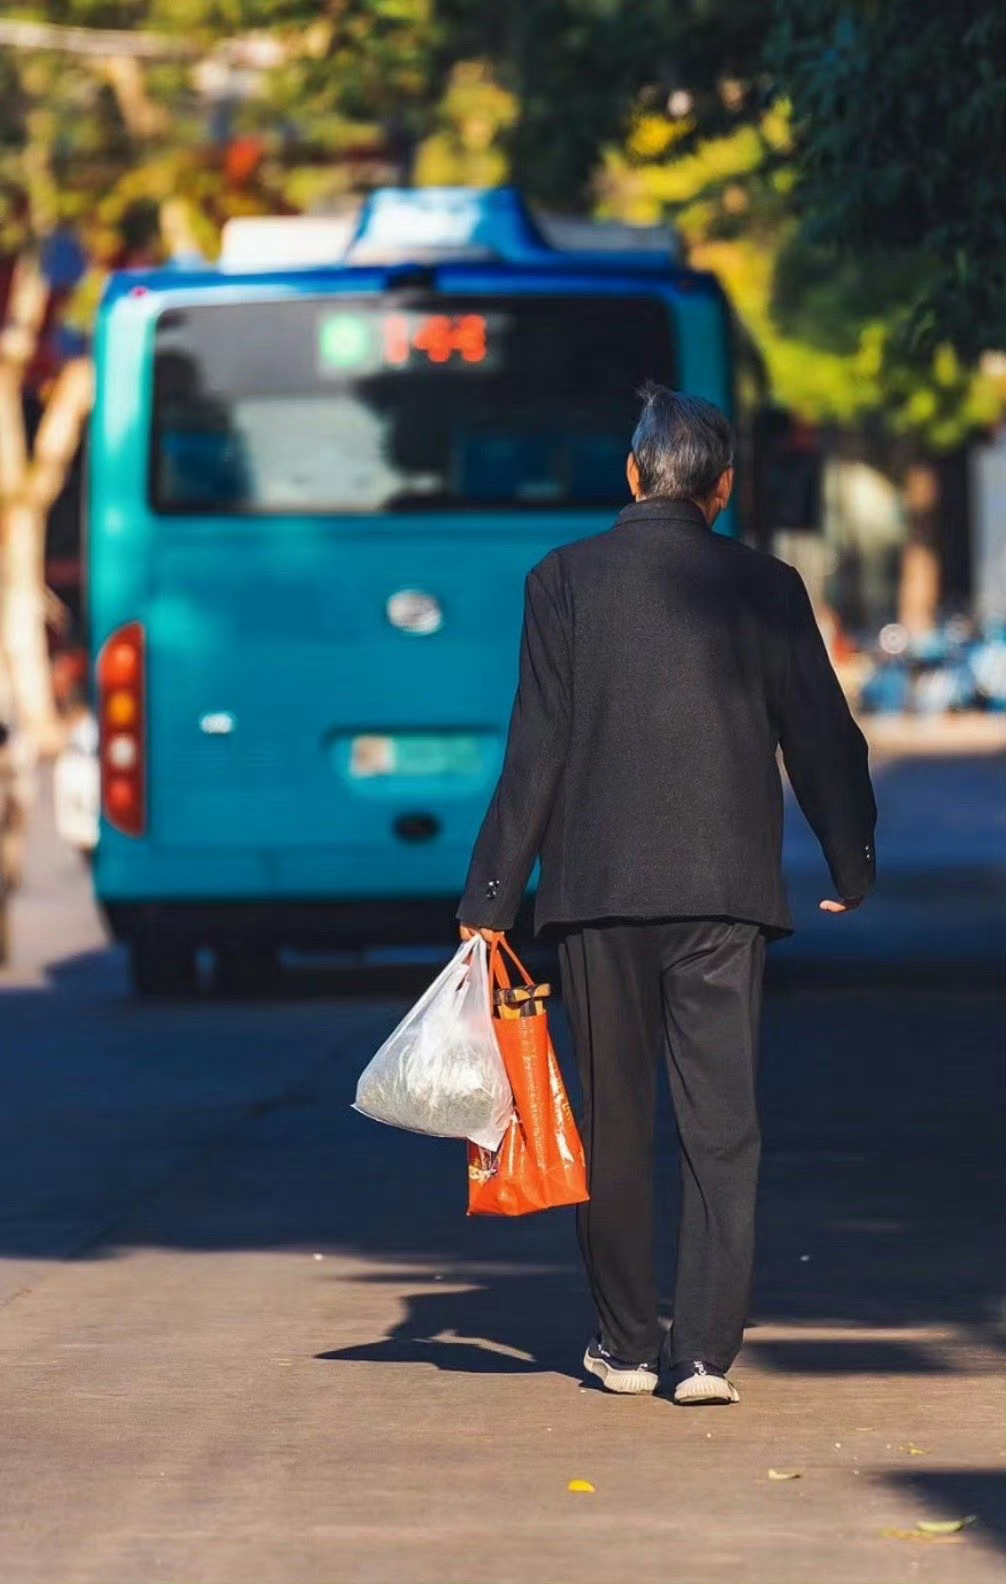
[(847, 905), (490, 936)]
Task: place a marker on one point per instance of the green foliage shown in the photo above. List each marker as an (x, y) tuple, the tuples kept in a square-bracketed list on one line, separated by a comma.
[(530, 90), (842, 177), (576, 68), (468, 147), (582, 69), (552, 81), (899, 116), (351, 86), (829, 322), (369, 62)]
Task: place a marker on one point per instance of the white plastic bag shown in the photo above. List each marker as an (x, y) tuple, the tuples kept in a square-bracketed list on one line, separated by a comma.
[(441, 1071)]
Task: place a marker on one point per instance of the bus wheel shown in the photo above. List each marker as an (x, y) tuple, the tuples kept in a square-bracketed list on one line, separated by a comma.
[(246, 968), (162, 967)]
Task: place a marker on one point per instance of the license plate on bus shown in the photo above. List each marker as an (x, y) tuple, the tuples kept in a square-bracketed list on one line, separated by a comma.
[(415, 754)]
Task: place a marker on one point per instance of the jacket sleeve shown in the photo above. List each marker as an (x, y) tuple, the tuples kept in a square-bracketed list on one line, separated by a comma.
[(825, 752), (508, 843)]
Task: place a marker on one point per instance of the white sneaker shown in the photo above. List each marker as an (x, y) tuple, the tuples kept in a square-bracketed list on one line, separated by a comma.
[(618, 1375), (696, 1383)]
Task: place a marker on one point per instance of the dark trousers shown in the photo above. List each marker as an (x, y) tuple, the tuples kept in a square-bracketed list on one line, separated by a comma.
[(629, 988)]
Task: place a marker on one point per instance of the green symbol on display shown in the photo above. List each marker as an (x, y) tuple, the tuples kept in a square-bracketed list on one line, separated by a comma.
[(344, 341)]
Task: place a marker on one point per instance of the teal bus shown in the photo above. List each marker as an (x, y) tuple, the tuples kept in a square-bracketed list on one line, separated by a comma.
[(315, 491)]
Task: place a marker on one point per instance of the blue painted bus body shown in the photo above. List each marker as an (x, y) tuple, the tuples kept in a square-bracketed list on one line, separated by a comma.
[(279, 624)]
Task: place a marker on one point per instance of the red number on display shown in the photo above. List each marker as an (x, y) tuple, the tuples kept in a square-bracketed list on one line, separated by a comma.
[(434, 338), (396, 340), (439, 337), (471, 338)]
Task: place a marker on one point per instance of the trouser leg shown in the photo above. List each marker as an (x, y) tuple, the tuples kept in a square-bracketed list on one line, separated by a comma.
[(712, 982), (611, 990)]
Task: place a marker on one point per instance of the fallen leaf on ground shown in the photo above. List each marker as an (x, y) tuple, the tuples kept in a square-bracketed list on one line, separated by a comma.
[(581, 1485), (916, 1534), (784, 1474), (944, 1525), (912, 1449)]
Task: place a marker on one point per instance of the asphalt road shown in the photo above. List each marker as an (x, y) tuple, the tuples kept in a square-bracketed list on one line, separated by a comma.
[(248, 1337)]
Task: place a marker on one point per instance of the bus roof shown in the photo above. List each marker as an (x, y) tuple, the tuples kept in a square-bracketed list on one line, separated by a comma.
[(422, 227), (398, 225)]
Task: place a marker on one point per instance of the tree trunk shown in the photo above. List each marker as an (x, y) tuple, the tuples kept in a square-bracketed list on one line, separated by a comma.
[(919, 593), (24, 513), (142, 117), (25, 677), (22, 623)]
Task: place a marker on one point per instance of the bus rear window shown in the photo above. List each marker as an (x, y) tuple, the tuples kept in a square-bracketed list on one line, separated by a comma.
[(340, 405)]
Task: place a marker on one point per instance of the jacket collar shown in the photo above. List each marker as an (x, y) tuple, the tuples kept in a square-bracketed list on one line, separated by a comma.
[(660, 508)]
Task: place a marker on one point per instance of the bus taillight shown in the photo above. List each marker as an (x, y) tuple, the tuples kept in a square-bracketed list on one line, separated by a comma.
[(122, 713)]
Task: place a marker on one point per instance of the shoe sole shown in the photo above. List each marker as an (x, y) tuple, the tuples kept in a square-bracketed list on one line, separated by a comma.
[(630, 1383), (705, 1391)]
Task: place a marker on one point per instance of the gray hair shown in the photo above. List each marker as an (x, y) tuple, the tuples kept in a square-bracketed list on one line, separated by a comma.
[(682, 444)]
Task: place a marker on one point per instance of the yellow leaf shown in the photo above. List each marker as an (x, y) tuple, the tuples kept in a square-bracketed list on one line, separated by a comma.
[(946, 369), (919, 1538), (912, 1449), (782, 1474), (581, 1485), (944, 1526)]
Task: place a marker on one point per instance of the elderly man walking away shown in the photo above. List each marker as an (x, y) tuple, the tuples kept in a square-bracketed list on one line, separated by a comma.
[(661, 667)]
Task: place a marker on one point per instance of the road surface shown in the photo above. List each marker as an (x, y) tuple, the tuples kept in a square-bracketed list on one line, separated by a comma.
[(248, 1337)]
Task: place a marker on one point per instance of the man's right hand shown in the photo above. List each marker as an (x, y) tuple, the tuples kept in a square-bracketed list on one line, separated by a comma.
[(490, 936), (848, 905)]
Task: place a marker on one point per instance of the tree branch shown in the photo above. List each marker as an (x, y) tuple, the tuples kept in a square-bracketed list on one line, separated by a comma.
[(94, 41)]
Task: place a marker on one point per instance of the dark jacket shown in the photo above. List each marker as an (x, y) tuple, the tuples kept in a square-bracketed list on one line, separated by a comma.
[(661, 666)]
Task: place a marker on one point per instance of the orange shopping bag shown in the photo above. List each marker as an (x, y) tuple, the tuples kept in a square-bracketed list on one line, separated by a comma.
[(540, 1163)]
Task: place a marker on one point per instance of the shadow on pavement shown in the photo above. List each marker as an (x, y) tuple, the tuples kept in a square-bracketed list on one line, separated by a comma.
[(502, 1325), (960, 1493), (882, 1175), (848, 1357)]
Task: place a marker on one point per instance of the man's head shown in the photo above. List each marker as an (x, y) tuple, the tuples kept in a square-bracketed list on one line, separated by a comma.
[(682, 449)]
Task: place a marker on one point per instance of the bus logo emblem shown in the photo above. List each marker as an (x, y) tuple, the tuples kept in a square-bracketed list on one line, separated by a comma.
[(411, 611)]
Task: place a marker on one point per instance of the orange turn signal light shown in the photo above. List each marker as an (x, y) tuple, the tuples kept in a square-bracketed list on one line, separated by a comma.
[(121, 708)]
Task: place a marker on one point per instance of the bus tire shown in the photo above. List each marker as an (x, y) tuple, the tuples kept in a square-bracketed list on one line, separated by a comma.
[(162, 967)]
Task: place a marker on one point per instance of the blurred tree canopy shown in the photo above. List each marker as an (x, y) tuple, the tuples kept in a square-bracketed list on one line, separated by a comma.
[(899, 122), (870, 275), (834, 160)]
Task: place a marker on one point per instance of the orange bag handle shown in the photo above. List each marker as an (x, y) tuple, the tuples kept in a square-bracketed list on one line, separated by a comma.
[(497, 967)]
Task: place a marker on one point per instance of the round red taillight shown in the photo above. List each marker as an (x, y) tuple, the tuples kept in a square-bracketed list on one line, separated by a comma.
[(122, 665), (121, 796)]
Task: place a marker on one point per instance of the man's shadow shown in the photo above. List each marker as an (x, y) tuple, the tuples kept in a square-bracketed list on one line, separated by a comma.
[(501, 1325)]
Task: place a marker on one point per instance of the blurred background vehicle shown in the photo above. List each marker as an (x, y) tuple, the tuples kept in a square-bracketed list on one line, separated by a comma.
[(76, 786)]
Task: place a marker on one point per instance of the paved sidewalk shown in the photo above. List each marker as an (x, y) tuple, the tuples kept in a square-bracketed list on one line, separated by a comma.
[(247, 1337), (281, 1355), (939, 907)]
